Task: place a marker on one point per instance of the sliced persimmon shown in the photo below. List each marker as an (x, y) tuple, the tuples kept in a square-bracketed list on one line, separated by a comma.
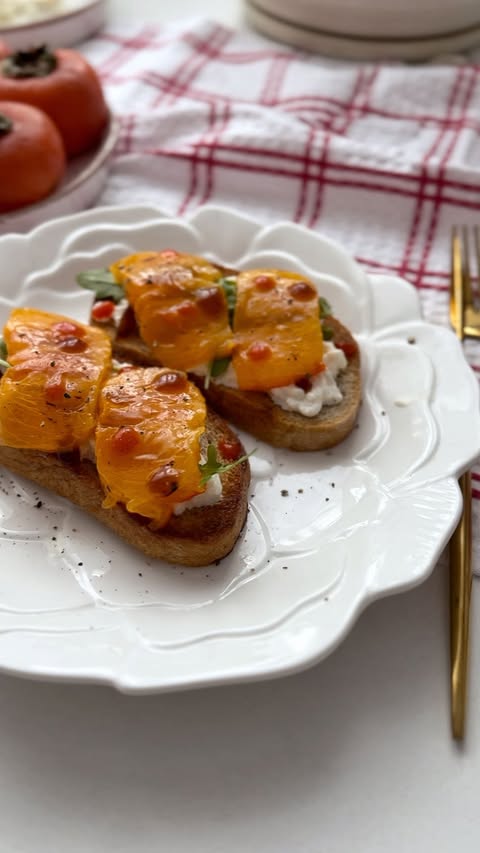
[(179, 305), (148, 441), (49, 394), (277, 329)]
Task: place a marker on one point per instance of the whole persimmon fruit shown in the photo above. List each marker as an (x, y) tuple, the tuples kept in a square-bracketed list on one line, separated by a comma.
[(62, 84), (32, 155)]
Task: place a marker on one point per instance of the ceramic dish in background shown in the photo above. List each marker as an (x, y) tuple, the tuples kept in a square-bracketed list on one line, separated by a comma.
[(380, 19), (326, 532), (373, 30), (81, 185), (76, 21)]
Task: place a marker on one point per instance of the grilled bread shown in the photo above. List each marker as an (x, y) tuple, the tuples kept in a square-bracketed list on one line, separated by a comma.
[(137, 448), (197, 537), (254, 342), (255, 412)]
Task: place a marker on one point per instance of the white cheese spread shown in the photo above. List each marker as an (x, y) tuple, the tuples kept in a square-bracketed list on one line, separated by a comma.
[(118, 312), (211, 495), (324, 390)]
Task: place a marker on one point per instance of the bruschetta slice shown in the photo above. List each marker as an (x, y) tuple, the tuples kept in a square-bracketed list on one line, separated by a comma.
[(262, 345), (135, 447)]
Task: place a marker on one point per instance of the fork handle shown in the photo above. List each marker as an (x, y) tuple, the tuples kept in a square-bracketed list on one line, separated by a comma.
[(460, 591)]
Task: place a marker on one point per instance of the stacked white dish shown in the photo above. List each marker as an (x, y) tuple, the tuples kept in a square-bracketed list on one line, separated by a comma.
[(370, 29)]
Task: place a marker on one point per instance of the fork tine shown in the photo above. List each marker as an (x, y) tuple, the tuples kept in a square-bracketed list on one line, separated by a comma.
[(457, 307)]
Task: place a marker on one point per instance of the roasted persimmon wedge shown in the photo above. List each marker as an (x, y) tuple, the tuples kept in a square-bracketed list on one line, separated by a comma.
[(148, 441), (179, 306), (278, 333), (49, 394)]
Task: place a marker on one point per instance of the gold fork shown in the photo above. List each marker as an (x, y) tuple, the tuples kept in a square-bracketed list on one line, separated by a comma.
[(464, 316), (465, 319)]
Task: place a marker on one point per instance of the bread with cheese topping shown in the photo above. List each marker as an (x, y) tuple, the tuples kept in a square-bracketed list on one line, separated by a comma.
[(255, 411), (197, 537), (136, 448), (253, 341)]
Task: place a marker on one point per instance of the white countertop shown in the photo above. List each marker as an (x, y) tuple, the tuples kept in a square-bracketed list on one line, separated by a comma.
[(353, 755)]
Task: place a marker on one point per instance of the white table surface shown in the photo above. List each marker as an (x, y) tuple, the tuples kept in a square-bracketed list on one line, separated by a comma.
[(354, 755)]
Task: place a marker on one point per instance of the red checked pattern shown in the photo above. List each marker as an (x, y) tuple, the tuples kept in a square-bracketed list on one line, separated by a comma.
[(383, 158)]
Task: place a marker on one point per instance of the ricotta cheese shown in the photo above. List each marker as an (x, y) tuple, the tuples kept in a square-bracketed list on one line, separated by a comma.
[(211, 495), (324, 390)]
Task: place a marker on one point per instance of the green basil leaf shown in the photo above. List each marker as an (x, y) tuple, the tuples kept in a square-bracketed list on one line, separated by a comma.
[(213, 465), (229, 286), (219, 366), (3, 350), (324, 307), (4, 365), (215, 368), (327, 332), (102, 283)]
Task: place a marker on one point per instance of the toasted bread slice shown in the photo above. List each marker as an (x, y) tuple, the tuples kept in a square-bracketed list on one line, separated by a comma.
[(197, 537), (256, 413)]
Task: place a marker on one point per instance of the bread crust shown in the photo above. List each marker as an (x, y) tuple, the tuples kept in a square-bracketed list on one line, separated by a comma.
[(256, 413), (197, 537)]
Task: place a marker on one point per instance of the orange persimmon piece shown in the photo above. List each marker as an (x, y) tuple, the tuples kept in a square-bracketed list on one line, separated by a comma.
[(179, 305), (277, 328), (148, 441), (49, 394)]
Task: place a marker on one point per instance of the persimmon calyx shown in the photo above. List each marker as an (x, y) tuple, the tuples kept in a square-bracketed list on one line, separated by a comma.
[(37, 62), (6, 125)]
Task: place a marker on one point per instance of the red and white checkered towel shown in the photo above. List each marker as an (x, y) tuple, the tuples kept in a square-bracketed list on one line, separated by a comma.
[(383, 158)]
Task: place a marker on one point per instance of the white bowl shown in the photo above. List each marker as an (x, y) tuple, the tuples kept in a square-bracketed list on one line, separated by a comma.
[(78, 20)]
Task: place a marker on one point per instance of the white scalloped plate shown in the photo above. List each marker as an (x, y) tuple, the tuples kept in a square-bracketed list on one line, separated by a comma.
[(327, 532)]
